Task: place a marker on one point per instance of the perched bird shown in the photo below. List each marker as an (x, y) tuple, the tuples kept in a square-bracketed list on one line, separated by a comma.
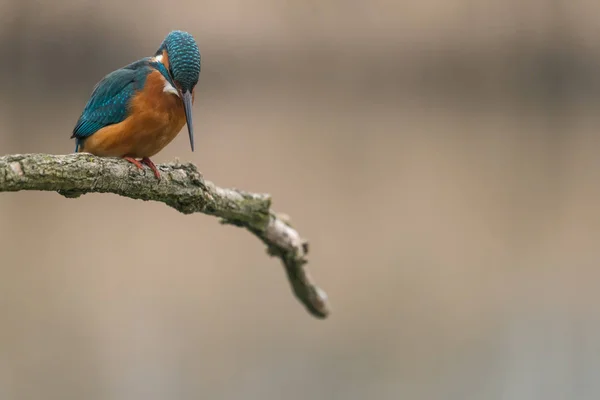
[(135, 111)]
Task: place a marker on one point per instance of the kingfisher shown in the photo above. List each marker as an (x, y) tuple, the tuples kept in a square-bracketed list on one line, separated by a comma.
[(137, 110)]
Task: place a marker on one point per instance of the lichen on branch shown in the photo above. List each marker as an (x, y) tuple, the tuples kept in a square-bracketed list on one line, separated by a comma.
[(181, 187)]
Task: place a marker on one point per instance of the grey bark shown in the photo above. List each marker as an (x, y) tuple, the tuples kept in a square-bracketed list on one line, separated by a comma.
[(183, 188)]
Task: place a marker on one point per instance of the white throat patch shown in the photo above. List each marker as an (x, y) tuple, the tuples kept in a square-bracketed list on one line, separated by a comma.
[(168, 87)]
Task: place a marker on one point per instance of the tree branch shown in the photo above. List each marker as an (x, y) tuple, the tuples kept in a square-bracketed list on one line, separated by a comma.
[(181, 187)]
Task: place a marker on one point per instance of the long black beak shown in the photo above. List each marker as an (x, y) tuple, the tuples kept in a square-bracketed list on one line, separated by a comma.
[(187, 104)]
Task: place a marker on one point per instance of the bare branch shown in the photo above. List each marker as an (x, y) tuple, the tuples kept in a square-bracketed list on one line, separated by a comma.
[(181, 187)]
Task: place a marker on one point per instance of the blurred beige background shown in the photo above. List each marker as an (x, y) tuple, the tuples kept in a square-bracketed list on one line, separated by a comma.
[(442, 157)]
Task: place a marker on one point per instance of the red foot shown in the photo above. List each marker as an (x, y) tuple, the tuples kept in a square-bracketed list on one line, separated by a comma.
[(134, 162), (149, 163), (146, 161)]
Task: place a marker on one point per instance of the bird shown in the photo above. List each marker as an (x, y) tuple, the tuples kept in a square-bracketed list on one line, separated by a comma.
[(136, 111)]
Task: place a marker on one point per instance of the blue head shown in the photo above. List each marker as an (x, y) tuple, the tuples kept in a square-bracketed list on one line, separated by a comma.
[(184, 68)]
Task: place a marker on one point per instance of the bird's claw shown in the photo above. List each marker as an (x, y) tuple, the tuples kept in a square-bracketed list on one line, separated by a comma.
[(150, 164), (146, 161)]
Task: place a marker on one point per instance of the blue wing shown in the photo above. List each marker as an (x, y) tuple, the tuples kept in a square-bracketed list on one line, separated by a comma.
[(109, 100)]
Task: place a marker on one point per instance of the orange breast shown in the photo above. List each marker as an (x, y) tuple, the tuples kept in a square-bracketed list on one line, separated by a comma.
[(155, 118)]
